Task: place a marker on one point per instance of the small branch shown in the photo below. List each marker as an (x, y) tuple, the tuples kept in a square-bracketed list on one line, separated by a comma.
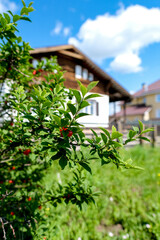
[(6, 195), (13, 231), (20, 72), (4, 232), (8, 160)]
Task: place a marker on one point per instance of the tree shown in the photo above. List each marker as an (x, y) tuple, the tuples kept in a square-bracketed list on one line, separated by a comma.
[(39, 127)]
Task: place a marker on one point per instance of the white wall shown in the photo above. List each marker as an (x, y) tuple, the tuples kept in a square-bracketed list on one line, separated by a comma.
[(98, 121)]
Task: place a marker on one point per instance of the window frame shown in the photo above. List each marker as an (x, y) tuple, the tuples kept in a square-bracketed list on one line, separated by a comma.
[(90, 77), (85, 72), (78, 71), (158, 98), (92, 109), (158, 113)]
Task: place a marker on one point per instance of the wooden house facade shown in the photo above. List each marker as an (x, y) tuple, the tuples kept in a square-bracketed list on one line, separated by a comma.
[(79, 67)]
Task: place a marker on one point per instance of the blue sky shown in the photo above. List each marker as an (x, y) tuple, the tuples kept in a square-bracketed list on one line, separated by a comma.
[(122, 37)]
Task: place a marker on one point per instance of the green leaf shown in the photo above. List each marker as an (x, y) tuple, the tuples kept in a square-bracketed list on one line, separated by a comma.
[(10, 12), (129, 140), (94, 133), (83, 88), (86, 166), (104, 138), (64, 122), (132, 133), (57, 119), (147, 130), (24, 11), (81, 115), (7, 17), (63, 162), (135, 129), (91, 85), (3, 21), (103, 162), (72, 108), (117, 144), (144, 138), (114, 129), (56, 156), (89, 140), (30, 4), (16, 18), (94, 95), (26, 19), (84, 104), (30, 9), (140, 125), (106, 132), (23, 2), (77, 95), (116, 135)]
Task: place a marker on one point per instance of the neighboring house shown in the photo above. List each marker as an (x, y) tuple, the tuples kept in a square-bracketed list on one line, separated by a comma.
[(145, 104), (79, 66)]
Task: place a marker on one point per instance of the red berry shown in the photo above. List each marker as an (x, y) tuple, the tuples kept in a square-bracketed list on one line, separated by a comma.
[(61, 134), (29, 199), (68, 196), (34, 72), (11, 141), (27, 152), (12, 213), (13, 168), (51, 89), (40, 207), (40, 70), (70, 133), (24, 181), (6, 102), (11, 124), (10, 181), (20, 149)]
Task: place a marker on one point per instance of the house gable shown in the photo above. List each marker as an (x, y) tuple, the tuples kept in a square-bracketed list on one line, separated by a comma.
[(69, 57)]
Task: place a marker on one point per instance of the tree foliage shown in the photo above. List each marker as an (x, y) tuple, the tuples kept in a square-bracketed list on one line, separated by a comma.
[(39, 127)]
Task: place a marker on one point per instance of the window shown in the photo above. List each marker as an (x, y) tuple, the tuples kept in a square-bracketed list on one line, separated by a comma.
[(78, 71), (90, 77), (44, 60), (85, 74), (144, 100), (158, 98), (92, 109), (158, 113), (35, 63)]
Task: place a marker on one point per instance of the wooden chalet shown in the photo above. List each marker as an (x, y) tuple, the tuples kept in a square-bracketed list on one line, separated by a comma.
[(78, 66)]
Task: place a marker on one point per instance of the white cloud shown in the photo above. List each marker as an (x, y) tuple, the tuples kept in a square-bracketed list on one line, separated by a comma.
[(66, 31), (126, 63), (59, 29), (120, 36), (6, 5)]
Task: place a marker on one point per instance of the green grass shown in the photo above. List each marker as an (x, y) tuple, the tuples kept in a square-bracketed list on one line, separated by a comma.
[(128, 206)]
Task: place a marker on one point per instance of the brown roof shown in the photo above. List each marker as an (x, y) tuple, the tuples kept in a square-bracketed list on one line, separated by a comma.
[(152, 88), (116, 91), (134, 110)]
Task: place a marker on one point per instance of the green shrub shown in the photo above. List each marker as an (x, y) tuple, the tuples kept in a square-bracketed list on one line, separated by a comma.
[(39, 128)]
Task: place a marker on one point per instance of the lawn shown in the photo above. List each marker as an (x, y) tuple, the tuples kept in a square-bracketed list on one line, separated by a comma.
[(128, 205)]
